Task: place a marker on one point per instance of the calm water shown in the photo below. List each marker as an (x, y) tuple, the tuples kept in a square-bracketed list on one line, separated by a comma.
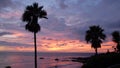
[(26, 60)]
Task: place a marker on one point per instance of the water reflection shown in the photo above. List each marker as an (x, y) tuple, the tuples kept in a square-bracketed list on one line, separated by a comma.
[(23, 61)]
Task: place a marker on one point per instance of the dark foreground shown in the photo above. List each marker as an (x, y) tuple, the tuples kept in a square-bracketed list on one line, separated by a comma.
[(106, 60)]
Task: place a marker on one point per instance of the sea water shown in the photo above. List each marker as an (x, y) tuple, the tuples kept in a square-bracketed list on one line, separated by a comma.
[(44, 60)]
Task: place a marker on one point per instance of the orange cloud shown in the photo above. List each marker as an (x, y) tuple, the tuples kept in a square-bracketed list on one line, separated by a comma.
[(47, 44)]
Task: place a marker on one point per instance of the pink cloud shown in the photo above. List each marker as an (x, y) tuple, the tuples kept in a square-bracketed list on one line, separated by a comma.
[(13, 14)]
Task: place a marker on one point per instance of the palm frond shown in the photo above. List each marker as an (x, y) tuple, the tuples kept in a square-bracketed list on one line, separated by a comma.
[(95, 36), (32, 27), (29, 8), (35, 5), (43, 14), (40, 8), (26, 17), (31, 15)]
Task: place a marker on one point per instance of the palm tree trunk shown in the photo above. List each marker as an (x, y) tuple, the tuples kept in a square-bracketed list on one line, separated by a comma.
[(96, 52), (35, 57)]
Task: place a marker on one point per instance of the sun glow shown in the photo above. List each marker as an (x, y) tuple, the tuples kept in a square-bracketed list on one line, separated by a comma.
[(55, 49), (53, 45)]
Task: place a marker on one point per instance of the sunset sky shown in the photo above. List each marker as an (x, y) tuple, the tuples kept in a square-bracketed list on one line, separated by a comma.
[(64, 30)]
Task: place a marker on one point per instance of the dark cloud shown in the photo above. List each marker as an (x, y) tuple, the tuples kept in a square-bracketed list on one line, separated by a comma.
[(5, 3), (5, 33), (114, 25), (10, 4), (47, 38), (61, 44), (107, 10), (55, 24), (5, 43), (104, 13), (47, 46), (62, 4)]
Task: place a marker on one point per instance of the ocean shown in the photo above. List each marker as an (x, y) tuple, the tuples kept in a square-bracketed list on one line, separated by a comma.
[(45, 60)]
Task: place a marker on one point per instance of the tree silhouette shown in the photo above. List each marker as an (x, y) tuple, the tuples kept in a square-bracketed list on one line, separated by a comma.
[(95, 36), (31, 15), (116, 39)]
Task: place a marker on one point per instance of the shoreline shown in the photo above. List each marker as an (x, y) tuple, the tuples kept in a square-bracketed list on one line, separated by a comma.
[(80, 59), (102, 60)]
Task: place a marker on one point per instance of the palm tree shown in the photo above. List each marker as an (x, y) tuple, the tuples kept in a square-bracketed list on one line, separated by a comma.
[(95, 36), (31, 15), (116, 39)]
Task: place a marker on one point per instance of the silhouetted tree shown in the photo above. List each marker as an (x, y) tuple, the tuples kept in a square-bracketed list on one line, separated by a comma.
[(31, 15), (116, 39), (95, 36), (8, 67)]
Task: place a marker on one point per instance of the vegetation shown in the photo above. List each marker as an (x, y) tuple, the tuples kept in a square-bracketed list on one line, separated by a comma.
[(116, 39), (105, 60), (102, 60), (31, 15), (95, 36), (110, 59)]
